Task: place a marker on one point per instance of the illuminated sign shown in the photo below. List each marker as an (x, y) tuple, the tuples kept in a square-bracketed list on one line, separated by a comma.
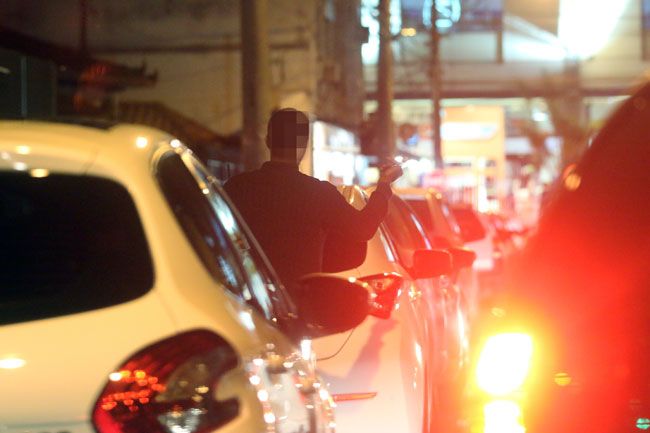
[(468, 131), (453, 15)]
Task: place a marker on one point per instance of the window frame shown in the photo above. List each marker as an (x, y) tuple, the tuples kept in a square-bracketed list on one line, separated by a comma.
[(281, 310)]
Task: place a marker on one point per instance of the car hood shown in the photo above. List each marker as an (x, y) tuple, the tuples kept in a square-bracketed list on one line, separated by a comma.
[(54, 369)]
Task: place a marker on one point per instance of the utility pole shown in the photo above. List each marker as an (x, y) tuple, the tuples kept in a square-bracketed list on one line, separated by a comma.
[(436, 88), (83, 26), (384, 125), (256, 82)]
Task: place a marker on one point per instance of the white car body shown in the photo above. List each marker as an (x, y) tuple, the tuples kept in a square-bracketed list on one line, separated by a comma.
[(52, 370), (384, 373)]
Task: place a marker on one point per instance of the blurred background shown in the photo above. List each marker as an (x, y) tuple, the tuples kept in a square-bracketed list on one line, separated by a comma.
[(490, 105)]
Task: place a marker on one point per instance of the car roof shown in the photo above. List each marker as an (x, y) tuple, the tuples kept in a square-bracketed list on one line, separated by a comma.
[(72, 148), (415, 193)]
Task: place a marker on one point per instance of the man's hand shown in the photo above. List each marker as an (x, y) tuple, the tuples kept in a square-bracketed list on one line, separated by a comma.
[(389, 173)]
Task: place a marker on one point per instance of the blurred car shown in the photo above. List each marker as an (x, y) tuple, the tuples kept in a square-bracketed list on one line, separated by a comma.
[(133, 299), (509, 232), (567, 349), (448, 301), (491, 253), (386, 375), (437, 219), (477, 235), (443, 231)]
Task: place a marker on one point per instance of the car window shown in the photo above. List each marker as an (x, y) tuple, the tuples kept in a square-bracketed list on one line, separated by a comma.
[(421, 209), (70, 243), (214, 232), (449, 217), (470, 225), (264, 285), (405, 230)]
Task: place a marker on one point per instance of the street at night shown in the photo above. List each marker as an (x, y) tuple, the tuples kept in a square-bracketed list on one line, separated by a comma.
[(320, 216)]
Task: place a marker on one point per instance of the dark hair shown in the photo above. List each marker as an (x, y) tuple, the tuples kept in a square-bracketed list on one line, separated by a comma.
[(285, 127)]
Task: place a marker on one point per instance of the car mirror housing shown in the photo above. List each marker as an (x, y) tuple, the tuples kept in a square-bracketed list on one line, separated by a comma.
[(462, 257), (328, 304), (385, 291), (431, 263)]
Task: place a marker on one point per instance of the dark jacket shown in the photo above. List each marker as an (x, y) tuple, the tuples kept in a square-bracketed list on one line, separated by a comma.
[(291, 215)]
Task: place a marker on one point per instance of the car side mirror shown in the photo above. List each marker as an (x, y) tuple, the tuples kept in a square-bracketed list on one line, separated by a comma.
[(328, 304), (431, 263), (385, 290), (462, 257)]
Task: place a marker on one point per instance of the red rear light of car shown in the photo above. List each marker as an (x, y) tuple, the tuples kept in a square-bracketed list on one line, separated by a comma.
[(169, 387), (385, 291)]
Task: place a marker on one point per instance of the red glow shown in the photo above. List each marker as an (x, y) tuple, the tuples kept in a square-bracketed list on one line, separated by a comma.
[(134, 402)]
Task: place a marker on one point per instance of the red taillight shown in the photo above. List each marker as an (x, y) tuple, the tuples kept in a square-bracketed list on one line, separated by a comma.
[(169, 387), (385, 288)]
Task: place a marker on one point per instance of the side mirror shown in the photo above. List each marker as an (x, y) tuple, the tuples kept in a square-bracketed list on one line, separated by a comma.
[(462, 257), (329, 304), (385, 289), (431, 263)]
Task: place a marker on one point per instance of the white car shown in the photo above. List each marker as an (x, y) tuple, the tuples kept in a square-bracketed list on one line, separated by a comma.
[(133, 300), (385, 375), (444, 232)]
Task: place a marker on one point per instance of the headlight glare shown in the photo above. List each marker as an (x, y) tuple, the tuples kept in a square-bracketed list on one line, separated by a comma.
[(504, 363)]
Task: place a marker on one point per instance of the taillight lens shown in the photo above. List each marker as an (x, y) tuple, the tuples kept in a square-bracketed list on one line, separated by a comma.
[(169, 387), (504, 363), (385, 291), (503, 416)]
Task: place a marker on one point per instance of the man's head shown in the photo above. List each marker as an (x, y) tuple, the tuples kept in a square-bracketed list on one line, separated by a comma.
[(287, 135)]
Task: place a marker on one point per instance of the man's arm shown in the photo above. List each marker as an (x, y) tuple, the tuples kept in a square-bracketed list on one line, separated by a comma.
[(359, 225)]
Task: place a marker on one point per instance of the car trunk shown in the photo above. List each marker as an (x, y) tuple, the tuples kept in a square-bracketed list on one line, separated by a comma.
[(53, 370)]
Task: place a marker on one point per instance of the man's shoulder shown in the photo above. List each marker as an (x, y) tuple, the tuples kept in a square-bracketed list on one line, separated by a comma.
[(237, 179), (246, 179), (317, 184)]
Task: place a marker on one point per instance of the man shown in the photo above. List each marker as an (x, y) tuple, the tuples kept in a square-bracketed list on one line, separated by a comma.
[(292, 214)]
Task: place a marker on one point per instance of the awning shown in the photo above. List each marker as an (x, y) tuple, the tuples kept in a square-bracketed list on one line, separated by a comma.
[(76, 66), (205, 142)]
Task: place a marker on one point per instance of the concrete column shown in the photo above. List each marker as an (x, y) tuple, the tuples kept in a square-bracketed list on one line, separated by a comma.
[(385, 128), (436, 89), (256, 82)]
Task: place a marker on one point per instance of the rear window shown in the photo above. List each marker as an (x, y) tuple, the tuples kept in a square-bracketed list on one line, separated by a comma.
[(69, 244)]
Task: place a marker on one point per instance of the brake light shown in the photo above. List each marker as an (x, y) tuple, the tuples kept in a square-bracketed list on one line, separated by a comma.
[(169, 387), (503, 416), (385, 291), (504, 363)]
